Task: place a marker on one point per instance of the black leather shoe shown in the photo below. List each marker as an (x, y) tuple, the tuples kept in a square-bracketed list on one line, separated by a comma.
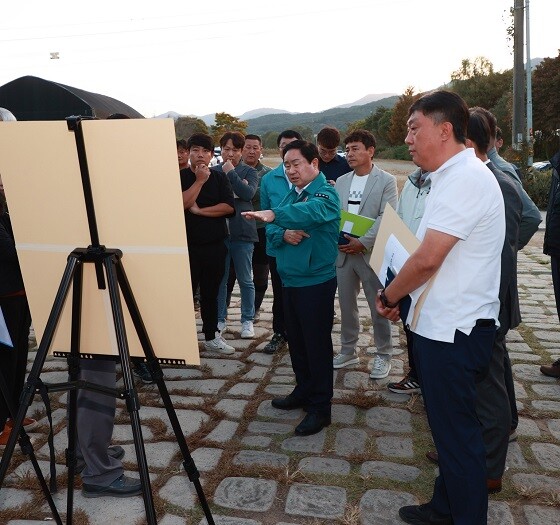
[(287, 403), (312, 423), (122, 487), (423, 515)]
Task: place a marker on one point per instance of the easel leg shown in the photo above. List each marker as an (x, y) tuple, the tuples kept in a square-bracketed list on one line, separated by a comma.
[(130, 394), (155, 368)]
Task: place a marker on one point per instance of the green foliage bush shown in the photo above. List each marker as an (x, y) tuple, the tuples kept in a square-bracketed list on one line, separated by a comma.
[(396, 152), (537, 185)]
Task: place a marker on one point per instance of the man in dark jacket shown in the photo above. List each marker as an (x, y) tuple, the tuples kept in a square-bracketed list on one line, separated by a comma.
[(552, 246)]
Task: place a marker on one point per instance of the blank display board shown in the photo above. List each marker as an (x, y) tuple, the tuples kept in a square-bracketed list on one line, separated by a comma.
[(138, 204)]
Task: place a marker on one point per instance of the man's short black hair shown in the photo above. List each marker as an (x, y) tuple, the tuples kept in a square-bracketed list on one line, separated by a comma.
[(253, 137), (367, 138), (328, 137), (308, 150), (202, 140), (288, 134), (478, 129), (182, 143), (444, 106), (237, 139)]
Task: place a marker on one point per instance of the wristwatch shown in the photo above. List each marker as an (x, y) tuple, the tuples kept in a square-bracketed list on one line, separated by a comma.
[(385, 302)]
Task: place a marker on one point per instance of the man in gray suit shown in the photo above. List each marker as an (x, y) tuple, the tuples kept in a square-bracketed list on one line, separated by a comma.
[(364, 191)]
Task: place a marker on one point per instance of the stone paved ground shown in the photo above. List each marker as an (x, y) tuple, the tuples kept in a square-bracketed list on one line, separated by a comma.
[(360, 470)]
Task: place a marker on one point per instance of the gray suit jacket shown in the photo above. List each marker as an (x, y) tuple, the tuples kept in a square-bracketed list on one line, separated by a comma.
[(381, 188)]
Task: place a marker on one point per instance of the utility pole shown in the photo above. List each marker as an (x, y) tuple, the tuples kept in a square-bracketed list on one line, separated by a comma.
[(518, 124), (528, 69)]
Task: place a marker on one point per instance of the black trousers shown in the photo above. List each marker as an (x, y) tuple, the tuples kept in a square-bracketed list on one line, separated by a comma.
[(309, 314), (207, 263), (278, 321), (13, 361)]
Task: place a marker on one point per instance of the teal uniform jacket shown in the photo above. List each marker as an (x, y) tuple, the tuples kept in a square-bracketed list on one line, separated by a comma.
[(316, 210), (274, 187)]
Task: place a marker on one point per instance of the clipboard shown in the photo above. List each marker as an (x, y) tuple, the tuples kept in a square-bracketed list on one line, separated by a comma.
[(354, 225), (392, 226)]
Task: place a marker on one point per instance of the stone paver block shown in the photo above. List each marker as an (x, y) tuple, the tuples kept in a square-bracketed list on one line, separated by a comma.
[(286, 380), (243, 389), (179, 491), (197, 386), (350, 441), (246, 494), (190, 420), (232, 407), (255, 374), (554, 427), (547, 454), (316, 501), (518, 347), (224, 367), (267, 410), (546, 406), (278, 389), (526, 372), (267, 427), (536, 482), (124, 433), (230, 520), (356, 380), (206, 459), (262, 359), (539, 515), (186, 401), (381, 507), (514, 458), (395, 446), (550, 391), (171, 374), (548, 335), (318, 465), (257, 457), (528, 427), (224, 431), (499, 513), (256, 441), (170, 519), (387, 470), (312, 444), (13, 498), (388, 419), (343, 414)]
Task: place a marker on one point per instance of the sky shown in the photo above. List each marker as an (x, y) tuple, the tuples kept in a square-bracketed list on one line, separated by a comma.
[(199, 57)]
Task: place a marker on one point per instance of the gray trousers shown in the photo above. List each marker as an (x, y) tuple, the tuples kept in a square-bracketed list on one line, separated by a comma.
[(493, 411), (353, 273), (95, 421)]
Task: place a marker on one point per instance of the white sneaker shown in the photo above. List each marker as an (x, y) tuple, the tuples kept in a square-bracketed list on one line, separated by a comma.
[(219, 345), (247, 330), (222, 326), (341, 360), (381, 366)]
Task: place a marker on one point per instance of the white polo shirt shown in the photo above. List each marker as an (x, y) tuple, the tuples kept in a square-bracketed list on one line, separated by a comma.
[(465, 201)]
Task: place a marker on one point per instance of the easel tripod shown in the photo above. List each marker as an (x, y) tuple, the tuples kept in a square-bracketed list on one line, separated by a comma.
[(108, 265)]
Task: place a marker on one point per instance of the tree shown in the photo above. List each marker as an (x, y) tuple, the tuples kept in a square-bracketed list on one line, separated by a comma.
[(397, 128), (306, 133), (546, 106), (269, 139), (480, 66), (186, 126), (225, 122)]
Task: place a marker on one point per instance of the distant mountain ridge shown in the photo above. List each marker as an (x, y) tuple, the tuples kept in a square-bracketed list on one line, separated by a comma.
[(262, 120), (338, 117)]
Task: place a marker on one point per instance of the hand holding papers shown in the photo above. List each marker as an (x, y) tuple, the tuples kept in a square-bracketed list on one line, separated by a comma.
[(393, 245), (354, 225)]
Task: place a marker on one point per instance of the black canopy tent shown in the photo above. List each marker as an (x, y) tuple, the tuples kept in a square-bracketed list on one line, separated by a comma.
[(34, 98)]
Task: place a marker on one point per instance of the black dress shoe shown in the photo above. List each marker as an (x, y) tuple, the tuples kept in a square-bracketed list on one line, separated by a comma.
[(312, 423), (122, 487), (423, 515), (287, 403)]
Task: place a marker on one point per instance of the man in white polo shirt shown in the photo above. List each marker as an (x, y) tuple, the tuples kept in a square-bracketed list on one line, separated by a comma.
[(462, 234)]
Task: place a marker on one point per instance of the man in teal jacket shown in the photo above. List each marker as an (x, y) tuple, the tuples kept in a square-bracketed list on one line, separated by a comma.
[(303, 229)]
